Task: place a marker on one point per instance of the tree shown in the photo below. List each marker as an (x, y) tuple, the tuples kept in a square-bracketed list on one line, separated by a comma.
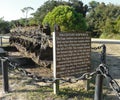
[(101, 19), (93, 4), (67, 18), (4, 26), (49, 5), (79, 6), (25, 11), (42, 11), (117, 26), (1, 19)]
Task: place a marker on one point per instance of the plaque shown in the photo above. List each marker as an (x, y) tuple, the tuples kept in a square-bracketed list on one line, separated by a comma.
[(72, 53)]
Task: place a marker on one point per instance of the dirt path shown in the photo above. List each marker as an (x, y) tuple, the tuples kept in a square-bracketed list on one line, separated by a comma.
[(112, 59), (113, 63)]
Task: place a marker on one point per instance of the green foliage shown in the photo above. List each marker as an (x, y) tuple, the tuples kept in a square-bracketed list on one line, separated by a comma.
[(16, 23), (109, 27), (44, 9), (93, 4), (25, 11), (32, 21), (4, 26), (77, 15), (49, 5), (102, 19), (117, 26), (67, 18), (78, 6), (112, 29), (22, 21)]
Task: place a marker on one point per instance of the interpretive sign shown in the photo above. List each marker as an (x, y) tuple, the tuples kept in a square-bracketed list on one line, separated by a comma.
[(72, 53)]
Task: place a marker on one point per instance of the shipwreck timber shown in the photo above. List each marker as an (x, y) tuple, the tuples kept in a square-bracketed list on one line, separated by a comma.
[(34, 42)]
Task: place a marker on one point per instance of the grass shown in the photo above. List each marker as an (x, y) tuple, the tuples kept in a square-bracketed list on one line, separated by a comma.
[(77, 94), (110, 36), (25, 89), (65, 94)]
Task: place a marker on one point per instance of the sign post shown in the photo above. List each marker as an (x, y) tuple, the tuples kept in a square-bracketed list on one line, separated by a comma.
[(71, 55), (56, 83)]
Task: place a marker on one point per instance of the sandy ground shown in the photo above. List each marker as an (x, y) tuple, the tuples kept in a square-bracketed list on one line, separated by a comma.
[(112, 62)]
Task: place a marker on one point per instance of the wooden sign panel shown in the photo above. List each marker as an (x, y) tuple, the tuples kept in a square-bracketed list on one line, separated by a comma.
[(72, 53)]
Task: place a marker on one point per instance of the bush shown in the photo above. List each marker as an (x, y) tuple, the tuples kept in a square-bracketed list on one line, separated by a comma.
[(67, 18)]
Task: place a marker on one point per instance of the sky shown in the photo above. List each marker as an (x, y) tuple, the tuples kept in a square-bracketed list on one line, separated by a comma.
[(11, 9)]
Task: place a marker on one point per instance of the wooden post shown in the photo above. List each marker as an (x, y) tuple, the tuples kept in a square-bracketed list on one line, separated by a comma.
[(1, 41), (86, 82), (4, 65), (56, 83)]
